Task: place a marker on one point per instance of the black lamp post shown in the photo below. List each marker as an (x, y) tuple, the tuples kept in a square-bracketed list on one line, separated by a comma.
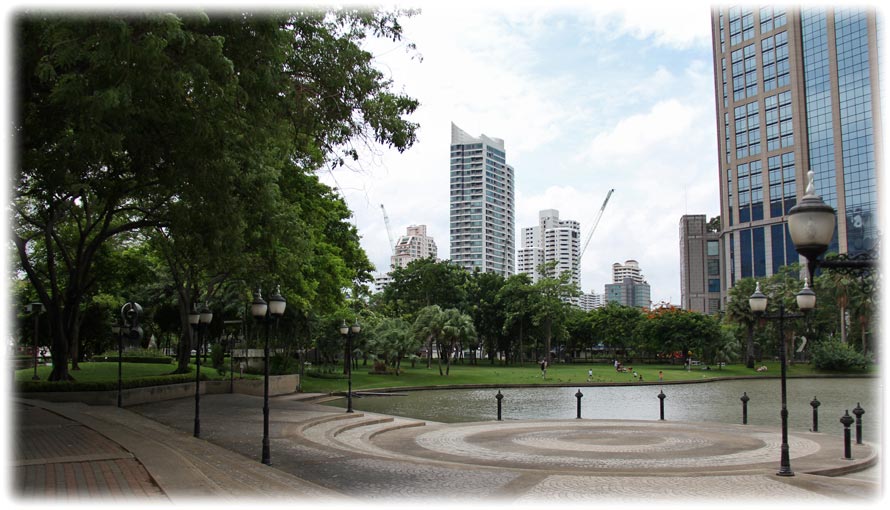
[(349, 332), (199, 320), (236, 322), (129, 327), (811, 226), (265, 312), (806, 301)]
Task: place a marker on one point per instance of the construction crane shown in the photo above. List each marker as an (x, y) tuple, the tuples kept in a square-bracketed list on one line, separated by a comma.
[(595, 223), (392, 240)]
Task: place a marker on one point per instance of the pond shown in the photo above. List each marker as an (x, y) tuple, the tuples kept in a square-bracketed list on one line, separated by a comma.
[(717, 401)]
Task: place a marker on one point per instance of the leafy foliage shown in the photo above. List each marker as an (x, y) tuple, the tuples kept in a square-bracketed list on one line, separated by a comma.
[(836, 355)]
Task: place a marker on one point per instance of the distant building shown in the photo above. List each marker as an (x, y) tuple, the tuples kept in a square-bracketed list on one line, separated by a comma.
[(381, 281), (482, 204), (551, 240), (588, 302), (628, 286), (699, 265), (414, 245)]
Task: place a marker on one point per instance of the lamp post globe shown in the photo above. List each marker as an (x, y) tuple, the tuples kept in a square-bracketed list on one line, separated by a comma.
[(806, 298), (258, 307), (277, 303), (811, 225), (758, 300)]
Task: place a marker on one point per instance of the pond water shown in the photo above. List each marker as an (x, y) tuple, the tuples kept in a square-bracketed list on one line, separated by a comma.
[(717, 401)]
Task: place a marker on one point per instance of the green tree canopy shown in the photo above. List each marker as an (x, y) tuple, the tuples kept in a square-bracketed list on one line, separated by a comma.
[(203, 129)]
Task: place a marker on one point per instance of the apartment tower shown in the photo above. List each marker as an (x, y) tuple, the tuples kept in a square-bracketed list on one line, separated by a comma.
[(414, 245), (552, 239), (797, 90), (482, 204)]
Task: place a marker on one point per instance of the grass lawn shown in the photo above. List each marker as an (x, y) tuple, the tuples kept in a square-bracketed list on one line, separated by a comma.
[(531, 374), (461, 374)]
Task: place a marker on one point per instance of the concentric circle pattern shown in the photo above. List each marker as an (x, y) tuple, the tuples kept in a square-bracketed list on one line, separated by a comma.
[(606, 446)]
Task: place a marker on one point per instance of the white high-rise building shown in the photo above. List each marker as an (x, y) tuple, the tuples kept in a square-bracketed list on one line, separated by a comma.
[(482, 204), (588, 302), (630, 269), (414, 245), (551, 240)]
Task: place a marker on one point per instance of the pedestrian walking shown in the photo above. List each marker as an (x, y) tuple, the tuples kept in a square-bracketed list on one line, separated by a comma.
[(660, 376), (544, 369), (589, 374)]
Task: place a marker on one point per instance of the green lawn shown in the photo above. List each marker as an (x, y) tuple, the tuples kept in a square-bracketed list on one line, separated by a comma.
[(461, 374), (531, 374)]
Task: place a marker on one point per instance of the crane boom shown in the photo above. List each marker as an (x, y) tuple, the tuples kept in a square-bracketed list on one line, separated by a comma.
[(595, 223), (392, 241)]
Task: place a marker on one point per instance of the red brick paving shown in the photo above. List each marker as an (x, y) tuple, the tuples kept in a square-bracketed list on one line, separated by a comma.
[(57, 458)]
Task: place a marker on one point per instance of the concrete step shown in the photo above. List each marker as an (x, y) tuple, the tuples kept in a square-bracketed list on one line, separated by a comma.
[(352, 432)]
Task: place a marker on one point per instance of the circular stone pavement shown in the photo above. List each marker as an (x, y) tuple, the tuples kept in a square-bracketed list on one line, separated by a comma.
[(621, 448)]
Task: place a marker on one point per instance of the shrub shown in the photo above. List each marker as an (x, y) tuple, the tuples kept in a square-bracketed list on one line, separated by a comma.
[(218, 358), (836, 355)]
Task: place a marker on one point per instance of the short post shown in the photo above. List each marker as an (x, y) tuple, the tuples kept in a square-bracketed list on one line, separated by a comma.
[(499, 397), (578, 396), (745, 398), (815, 403), (858, 411), (661, 397), (847, 420)]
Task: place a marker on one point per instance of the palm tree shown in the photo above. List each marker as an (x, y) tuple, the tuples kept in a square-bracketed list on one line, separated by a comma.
[(457, 328), (428, 328)]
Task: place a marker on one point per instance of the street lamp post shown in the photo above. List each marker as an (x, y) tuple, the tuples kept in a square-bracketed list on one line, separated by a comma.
[(349, 332), (806, 301), (236, 322), (811, 226), (265, 312), (199, 320), (130, 314)]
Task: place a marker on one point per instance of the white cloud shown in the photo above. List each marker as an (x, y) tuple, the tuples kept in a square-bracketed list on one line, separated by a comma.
[(584, 126)]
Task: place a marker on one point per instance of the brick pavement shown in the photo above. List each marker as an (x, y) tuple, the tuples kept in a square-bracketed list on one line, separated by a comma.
[(74, 452), (58, 458)]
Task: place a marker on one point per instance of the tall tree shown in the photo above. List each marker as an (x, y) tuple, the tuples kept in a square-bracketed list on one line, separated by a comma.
[(488, 316), (457, 329), (738, 311), (163, 121), (554, 292), (516, 298)]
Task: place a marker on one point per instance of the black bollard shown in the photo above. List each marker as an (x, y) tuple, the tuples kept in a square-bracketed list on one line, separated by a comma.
[(499, 397), (858, 411), (745, 398), (661, 397), (847, 420), (815, 403), (578, 396)]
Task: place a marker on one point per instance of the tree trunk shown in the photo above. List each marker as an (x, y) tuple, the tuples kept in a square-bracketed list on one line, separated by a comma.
[(520, 343), (429, 352)]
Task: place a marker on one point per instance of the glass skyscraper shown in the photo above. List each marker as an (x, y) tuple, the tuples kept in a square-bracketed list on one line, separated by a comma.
[(797, 90), (482, 204)]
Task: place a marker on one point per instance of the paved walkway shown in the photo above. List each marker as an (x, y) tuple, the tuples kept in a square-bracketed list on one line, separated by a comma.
[(147, 452)]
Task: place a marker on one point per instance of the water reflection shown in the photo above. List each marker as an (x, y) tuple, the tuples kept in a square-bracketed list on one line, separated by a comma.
[(713, 401)]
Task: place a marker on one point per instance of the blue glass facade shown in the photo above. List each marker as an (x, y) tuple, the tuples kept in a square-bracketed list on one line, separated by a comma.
[(795, 92), (857, 133)]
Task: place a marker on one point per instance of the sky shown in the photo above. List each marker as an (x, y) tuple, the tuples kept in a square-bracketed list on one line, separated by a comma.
[(586, 99)]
